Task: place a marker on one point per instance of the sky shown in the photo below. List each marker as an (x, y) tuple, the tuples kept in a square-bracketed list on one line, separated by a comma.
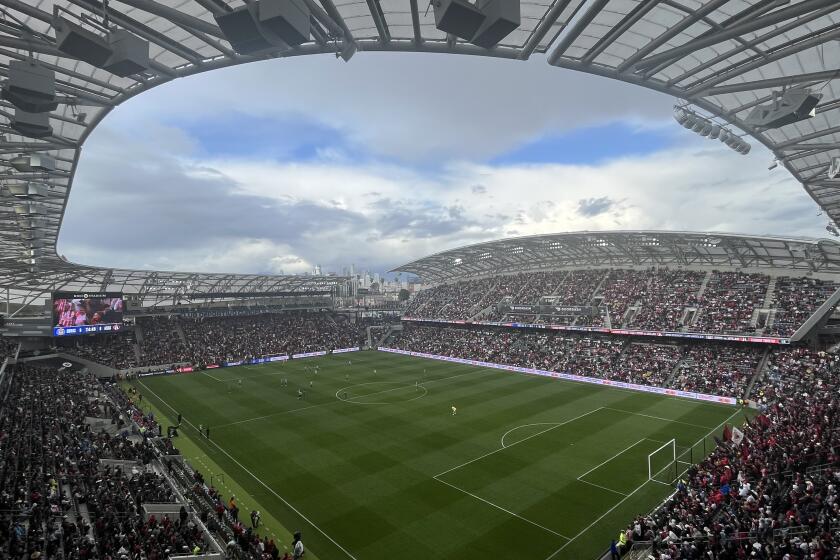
[(281, 165)]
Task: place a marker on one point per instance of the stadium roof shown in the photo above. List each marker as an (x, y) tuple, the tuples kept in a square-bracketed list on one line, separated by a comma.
[(725, 56), (628, 248)]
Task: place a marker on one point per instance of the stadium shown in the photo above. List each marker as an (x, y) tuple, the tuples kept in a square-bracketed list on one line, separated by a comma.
[(624, 393)]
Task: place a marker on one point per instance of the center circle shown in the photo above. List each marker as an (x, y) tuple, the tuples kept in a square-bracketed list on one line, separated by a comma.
[(403, 392)]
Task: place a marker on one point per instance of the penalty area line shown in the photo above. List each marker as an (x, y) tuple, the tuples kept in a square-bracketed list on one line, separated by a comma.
[(256, 478), (500, 508)]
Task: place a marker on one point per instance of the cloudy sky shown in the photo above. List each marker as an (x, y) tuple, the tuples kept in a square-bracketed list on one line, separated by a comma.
[(281, 165)]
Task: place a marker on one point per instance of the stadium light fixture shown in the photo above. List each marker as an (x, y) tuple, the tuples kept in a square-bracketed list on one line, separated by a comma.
[(709, 129)]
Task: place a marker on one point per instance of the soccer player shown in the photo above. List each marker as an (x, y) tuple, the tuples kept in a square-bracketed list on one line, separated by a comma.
[(239, 382), (454, 410), (300, 394), (310, 383)]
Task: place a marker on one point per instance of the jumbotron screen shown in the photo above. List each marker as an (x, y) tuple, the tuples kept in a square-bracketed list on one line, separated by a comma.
[(86, 313)]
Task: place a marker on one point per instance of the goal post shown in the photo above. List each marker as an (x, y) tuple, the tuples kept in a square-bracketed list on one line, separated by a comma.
[(663, 466)]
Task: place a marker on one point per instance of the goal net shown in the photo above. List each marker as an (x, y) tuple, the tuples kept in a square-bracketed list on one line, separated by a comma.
[(667, 463)]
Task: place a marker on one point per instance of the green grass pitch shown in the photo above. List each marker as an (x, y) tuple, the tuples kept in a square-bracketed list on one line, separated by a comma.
[(374, 466)]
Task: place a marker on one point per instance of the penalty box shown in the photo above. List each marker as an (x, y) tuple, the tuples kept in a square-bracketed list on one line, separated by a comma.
[(560, 476)]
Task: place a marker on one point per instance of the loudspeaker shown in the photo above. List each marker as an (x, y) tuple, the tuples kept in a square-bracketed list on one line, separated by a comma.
[(501, 18), (244, 31), (35, 162), (34, 125), (28, 190), (78, 42), (793, 105), (289, 19), (30, 87), (459, 17), (130, 54)]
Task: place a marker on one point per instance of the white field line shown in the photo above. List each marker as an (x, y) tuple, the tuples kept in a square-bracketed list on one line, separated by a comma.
[(659, 418), (602, 487), (518, 442), (489, 503), (333, 402), (263, 484), (525, 426), (213, 377), (642, 485), (602, 463)]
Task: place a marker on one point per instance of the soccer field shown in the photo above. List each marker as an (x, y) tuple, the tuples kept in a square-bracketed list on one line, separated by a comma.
[(374, 466)]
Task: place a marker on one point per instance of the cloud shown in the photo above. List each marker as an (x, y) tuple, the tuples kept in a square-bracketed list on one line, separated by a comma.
[(413, 107), (282, 165), (589, 207)]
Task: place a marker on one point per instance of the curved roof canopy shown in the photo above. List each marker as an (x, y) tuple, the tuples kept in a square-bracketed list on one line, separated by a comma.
[(628, 248), (724, 56)]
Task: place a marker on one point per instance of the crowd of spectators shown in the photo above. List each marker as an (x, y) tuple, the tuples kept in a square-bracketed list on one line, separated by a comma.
[(197, 340), (722, 369), (646, 299), (222, 339), (796, 299), (668, 294), (116, 350), (716, 368), (646, 364), (58, 499), (772, 494), (729, 302)]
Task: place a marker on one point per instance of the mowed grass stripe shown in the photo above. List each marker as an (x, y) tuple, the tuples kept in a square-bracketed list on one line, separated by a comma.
[(364, 474)]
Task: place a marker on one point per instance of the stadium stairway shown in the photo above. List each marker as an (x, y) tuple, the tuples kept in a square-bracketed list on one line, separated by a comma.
[(760, 371), (560, 283), (770, 296), (671, 376), (181, 334), (702, 289)]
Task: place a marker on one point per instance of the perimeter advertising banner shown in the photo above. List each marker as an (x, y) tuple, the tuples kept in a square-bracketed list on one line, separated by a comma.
[(570, 377)]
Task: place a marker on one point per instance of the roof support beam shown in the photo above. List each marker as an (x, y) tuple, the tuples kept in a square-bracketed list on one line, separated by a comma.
[(415, 22), (670, 34), (830, 33), (812, 136), (543, 28), (733, 32), (188, 22), (795, 79), (583, 17), (614, 33), (379, 20), (741, 48)]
